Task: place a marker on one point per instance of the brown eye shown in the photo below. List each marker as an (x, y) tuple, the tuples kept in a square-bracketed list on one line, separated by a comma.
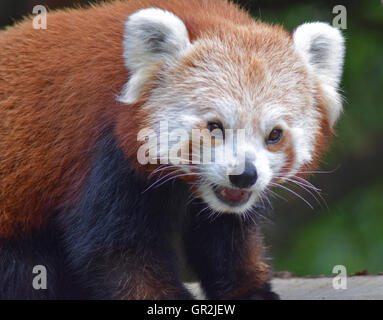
[(216, 129), (274, 136)]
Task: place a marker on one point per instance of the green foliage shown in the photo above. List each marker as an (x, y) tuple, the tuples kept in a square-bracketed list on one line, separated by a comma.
[(349, 234)]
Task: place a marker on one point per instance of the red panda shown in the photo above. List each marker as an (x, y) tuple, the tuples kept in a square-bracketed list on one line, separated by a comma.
[(74, 98)]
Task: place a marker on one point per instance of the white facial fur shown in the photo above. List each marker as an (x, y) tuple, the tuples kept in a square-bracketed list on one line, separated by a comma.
[(220, 85)]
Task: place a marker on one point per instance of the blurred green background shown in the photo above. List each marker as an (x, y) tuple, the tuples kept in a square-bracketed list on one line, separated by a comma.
[(347, 228)]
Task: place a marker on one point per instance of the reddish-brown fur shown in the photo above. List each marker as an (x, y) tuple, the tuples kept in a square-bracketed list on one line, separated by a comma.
[(57, 92)]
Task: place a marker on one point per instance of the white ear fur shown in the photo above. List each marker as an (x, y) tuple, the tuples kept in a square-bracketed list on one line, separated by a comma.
[(151, 35), (322, 48)]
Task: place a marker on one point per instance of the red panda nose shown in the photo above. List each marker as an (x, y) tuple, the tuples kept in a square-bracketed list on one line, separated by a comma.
[(245, 179)]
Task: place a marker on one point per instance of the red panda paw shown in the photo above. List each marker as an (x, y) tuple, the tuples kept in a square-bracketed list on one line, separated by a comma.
[(263, 293)]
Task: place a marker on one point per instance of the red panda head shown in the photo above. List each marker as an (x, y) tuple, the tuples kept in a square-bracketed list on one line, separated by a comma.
[(280, 90)]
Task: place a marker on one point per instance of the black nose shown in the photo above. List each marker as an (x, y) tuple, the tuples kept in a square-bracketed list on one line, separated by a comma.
[(247, 178)]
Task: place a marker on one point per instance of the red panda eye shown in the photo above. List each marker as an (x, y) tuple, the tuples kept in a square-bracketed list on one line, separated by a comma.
[(216, 129), (274, 136)]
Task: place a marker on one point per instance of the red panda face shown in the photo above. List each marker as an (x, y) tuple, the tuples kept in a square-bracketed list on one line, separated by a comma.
[(266, 96)]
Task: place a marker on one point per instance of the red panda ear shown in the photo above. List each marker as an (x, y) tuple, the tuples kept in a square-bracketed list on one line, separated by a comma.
[(322, 48), (151, 36)]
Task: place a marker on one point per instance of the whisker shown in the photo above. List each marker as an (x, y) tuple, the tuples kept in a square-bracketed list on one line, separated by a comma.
[(161, 178), (312, 187), (161, 168), (318, 192), (319, 171), (275, 194), (175, 177), (308, 184), (213, 215), (301, 185), (293, 192)]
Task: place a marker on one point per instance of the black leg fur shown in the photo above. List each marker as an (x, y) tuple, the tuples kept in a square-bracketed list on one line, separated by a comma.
[(227, 254)]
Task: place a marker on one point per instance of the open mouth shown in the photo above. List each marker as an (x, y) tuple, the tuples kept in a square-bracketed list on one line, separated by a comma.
[(232, 197)]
